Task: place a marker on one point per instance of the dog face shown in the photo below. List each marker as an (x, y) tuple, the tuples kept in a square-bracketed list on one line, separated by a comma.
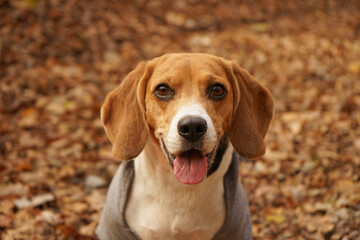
[(188, 107), (188, 104)]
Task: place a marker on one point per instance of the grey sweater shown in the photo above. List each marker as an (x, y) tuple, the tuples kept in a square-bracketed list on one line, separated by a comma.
[(113, 226)]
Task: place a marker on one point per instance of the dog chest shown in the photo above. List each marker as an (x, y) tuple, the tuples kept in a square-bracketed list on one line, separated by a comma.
[(159, 207)]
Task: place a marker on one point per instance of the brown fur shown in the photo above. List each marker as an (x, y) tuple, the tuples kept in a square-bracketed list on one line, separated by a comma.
[(254, 108), (132, 109), (123, 116)]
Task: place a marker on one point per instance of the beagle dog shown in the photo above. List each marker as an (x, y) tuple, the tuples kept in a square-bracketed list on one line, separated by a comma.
[(182, 118)]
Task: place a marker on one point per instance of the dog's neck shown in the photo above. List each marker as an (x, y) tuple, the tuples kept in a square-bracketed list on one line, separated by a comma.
[(170, 209)]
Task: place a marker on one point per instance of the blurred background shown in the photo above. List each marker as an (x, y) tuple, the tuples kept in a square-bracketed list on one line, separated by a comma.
[(58, 59)]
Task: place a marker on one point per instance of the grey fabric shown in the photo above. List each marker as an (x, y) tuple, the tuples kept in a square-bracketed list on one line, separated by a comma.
[(112, 225), (237, 223)]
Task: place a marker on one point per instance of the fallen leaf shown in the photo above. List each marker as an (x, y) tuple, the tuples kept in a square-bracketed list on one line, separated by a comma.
[(78, 207), (65, 231), (275, 215), (14, 189), (346, 186), (5, 222), (294, 121), (94, 181), (317, 223), (35, 201), (259, 27), (96, 199), (88, 230), (24, 166), (48, 216), (41, 199), (354, 67)]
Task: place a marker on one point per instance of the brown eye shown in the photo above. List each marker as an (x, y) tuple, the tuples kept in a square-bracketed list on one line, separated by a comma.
[(163, 92), (217, 91)]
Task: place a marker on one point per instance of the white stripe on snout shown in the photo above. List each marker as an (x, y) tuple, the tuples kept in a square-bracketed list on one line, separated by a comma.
[(174, 142)]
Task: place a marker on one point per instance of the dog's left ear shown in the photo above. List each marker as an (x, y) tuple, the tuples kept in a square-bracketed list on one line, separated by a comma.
[(123, 115), (253, 111)]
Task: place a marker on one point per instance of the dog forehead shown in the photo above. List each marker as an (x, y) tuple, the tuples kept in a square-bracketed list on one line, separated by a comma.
[(188, 66)]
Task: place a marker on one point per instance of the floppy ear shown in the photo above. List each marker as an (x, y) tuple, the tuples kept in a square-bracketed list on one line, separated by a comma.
[(253, 111), (123, 115)]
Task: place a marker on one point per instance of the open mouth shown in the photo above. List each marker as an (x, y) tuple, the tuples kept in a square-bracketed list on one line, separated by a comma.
[(191, 166)]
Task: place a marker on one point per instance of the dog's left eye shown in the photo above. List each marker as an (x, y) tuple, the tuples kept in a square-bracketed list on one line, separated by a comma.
[(217, 91), (163, 92)]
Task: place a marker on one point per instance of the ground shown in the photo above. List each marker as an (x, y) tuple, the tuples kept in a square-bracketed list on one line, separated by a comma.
[(58, 59)]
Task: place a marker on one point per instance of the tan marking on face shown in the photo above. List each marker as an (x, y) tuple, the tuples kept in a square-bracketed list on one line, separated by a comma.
[(189, 76)]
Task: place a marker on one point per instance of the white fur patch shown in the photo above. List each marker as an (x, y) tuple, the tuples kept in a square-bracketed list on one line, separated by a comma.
[(176, 143), (160, 207)]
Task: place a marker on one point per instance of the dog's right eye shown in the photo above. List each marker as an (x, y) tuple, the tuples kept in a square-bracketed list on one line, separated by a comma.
[(164, 92)]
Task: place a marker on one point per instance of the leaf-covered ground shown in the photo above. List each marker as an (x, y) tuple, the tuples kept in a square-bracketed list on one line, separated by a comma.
[(59, 59)]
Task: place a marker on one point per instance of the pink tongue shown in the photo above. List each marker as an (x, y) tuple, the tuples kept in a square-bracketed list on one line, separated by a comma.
[(190, 167)]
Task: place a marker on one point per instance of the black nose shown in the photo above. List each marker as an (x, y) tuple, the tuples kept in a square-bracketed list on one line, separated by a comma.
[(192, 128)]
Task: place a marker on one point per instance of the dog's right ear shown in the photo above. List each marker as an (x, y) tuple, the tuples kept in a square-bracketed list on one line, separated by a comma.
[(123, 114)]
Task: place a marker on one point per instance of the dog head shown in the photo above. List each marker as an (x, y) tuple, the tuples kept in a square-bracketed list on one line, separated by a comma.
[(188, 104)]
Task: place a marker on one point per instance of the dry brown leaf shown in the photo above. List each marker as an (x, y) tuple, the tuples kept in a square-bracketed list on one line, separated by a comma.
[(24, 166), (5, 221), (88, 230), (77, 207), (346, 186), (65, 231)]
